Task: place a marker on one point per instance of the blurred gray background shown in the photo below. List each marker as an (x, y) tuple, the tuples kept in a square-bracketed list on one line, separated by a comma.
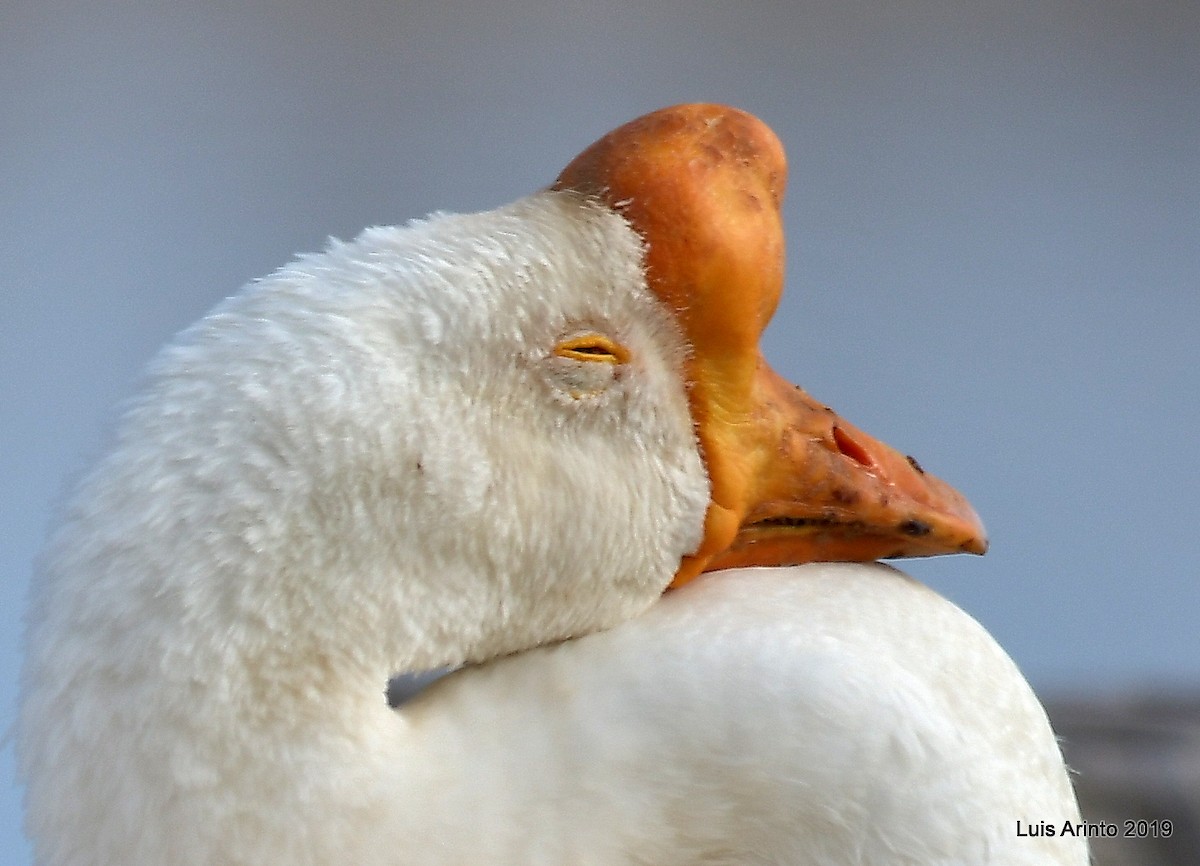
[(994, 243)]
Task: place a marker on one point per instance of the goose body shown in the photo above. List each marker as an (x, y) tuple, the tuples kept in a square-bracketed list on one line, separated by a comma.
[(493, 440), (825, 713)]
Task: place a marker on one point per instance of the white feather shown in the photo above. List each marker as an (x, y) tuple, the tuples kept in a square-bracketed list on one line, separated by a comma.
[(373, 462)]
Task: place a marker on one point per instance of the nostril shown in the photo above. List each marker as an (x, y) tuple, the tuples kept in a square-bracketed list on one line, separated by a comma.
[(850, 448)]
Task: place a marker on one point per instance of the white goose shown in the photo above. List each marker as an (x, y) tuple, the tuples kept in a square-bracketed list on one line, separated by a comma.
[(487, 439)]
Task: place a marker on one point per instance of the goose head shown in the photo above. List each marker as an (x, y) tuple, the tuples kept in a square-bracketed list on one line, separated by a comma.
[(431, 445), (791, 481)]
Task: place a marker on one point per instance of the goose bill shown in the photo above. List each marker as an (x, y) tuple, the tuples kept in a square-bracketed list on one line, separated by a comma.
[(804, 485)]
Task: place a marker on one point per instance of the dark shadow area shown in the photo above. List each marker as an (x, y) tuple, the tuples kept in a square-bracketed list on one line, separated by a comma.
[(1136, 758)]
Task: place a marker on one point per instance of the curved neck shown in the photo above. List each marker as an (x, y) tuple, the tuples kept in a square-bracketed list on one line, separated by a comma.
[(320, 488), (222, 717)]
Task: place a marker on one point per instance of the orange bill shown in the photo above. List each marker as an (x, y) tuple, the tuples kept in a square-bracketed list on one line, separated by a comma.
[(791, 481)]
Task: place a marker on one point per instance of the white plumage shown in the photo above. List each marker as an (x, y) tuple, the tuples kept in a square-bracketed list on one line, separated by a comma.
[(376, 461)]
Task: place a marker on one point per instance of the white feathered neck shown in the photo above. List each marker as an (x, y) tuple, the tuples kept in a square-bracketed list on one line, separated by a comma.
[(370, 462)]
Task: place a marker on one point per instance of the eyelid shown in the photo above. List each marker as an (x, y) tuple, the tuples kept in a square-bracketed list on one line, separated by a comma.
[(592, 347)]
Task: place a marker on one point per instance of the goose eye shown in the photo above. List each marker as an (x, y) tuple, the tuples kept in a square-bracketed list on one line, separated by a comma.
[(592, 347)]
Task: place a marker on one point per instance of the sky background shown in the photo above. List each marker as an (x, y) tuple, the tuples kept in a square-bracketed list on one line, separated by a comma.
[(993, 225)]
